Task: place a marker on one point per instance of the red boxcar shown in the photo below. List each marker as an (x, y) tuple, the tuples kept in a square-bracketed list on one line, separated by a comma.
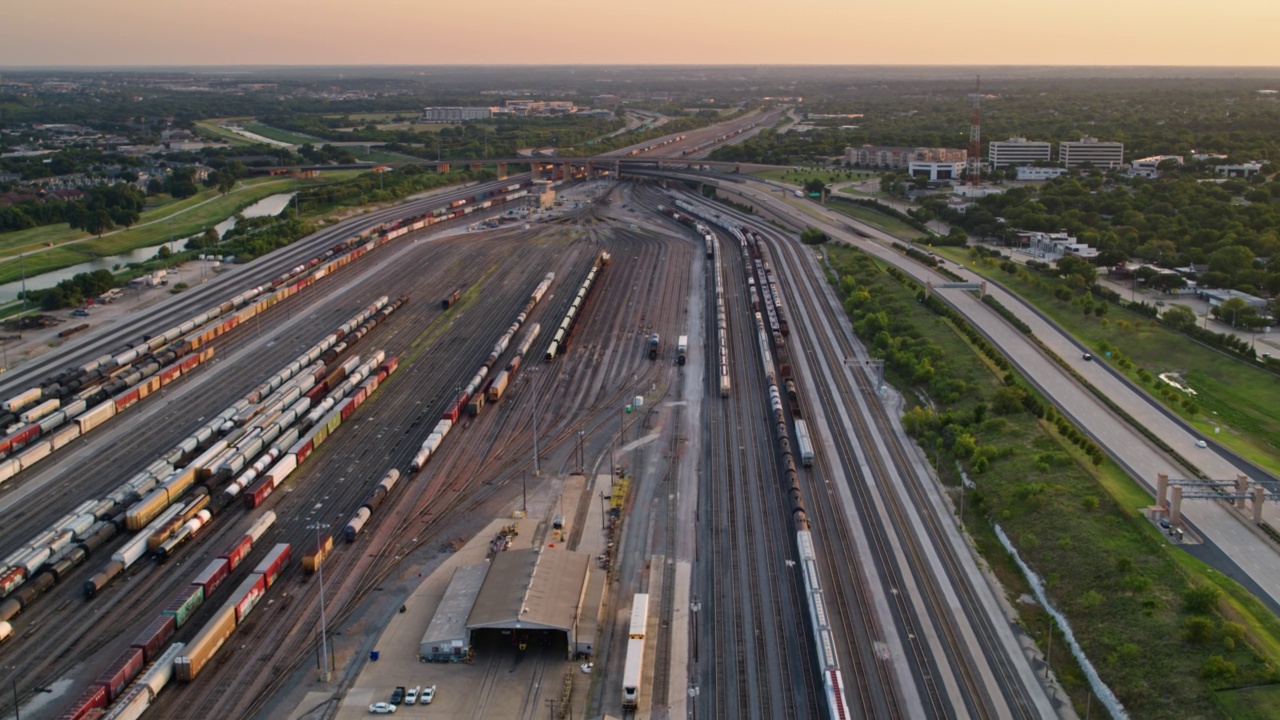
[(151, 641), (121, 673), (127, 399), (258, 492), (237, 553), (248, 595), (213, 575), (272, 565), (93, 698)]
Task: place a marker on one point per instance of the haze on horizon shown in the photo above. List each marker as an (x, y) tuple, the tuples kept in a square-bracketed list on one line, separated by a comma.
[(667, 32)]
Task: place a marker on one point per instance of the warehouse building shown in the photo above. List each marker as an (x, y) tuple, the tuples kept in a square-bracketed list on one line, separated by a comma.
[(446, 639)]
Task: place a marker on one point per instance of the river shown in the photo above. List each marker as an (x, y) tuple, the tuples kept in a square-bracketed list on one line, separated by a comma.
[(271, 205)]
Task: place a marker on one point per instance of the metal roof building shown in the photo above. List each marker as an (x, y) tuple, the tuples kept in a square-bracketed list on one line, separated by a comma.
[(446, 637), (534, 589)]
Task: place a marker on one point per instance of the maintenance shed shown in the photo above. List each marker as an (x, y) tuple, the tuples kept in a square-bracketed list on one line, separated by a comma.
[(531, 596), (446, 639)]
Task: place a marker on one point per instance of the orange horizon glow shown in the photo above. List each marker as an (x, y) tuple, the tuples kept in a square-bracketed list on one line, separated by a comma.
[(658, 32)]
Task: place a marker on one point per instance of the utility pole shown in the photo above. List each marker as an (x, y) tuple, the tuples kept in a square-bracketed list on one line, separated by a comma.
[(324, 631), (22, 262)]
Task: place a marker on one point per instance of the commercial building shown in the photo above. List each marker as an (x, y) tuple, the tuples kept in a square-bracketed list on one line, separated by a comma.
[(1027, 172), (1243, 170), (1052, 246), (900, 158), (1148, 167), (455, 114), (1091, 151), (1017, 151), (937, 172)]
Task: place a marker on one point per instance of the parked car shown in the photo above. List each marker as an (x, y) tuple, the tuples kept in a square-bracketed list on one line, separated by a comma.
[(397, 695), (428, 694), (382, 709), (411, 697)]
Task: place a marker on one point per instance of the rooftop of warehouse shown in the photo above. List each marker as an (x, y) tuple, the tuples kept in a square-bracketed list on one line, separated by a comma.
[(538, 588)]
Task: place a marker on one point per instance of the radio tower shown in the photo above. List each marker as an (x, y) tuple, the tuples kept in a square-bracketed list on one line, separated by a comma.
[(975, 136)]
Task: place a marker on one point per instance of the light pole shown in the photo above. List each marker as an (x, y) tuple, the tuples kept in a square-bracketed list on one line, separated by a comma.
[(22, 262), (324, 639)]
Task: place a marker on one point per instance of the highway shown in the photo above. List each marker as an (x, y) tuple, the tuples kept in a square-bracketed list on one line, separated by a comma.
[(1248, 555)]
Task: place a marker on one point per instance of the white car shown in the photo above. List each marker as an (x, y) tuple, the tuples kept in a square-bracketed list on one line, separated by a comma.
[(1201, 444), (411, 697), (382, 708), (428, 694)]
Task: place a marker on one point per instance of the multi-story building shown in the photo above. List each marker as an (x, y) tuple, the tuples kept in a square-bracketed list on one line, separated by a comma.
[(1243, 170), (1092, 151), (937, 172), (1052, 246), (1017, 151), (900, 158), (455, 114), (1031, 172), (1148, 167)]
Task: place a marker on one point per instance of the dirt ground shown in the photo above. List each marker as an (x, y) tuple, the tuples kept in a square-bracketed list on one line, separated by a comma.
[(20, 349)]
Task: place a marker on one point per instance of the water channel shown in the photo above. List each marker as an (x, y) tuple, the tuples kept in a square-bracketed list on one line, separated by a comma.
[(271, 205)]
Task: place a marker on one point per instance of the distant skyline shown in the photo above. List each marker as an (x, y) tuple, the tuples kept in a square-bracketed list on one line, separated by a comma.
[(752, 32)]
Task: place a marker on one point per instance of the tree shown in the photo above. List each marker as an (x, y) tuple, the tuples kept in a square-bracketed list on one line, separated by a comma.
[(1231, 260), (225, 181), (813, 236), (814, 186), (1233, 310), (1180, 317), (97, 222)]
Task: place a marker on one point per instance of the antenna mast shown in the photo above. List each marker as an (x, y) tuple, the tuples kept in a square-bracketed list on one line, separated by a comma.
[(975, 135)]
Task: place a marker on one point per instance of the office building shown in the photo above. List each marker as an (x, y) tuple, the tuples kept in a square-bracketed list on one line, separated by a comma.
[(900, 158), (455, 114), (1017, 151), (1091, 151)]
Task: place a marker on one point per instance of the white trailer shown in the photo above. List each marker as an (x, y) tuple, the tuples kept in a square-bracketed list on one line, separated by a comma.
[(804, 442), (631, 675)]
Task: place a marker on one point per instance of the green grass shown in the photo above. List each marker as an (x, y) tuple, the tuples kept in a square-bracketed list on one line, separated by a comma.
[(382, 156), (1115, 576), (800, 177), (188, 223), (211, 130), (23, 241), (1255, 703), (1242, 400), (891, 225), (294, 138)]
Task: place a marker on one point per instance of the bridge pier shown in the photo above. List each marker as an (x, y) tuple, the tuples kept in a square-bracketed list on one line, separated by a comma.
[(502, 171), (475, 166), (566, 171), (1242, 491), (443, 168), (1259, 496), (1175, 509), (1162, 491)]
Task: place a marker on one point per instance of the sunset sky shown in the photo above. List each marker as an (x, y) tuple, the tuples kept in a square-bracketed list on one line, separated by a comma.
[(415, 32)]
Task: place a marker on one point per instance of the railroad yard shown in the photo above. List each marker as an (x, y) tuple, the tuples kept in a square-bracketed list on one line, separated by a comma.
[(249, 500)]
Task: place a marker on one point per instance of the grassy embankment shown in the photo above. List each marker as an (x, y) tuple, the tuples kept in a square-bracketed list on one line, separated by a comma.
[(1169, 636), (211, 130), (879, 220), (1240, 400), (800, 176), (191, 218), (286, 136)]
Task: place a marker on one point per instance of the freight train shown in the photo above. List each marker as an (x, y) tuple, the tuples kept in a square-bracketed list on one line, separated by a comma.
[(771, 345), (122, 372), (472, 396), (560, 341)]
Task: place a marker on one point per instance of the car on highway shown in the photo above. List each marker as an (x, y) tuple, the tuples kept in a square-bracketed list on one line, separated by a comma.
[(80, 312), (382, 709), (411, 697), (1087, 357), (428, 694), (1201, 444), (397, 695)]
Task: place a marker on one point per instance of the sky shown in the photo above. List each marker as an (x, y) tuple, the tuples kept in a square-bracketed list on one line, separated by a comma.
[(540, 32)]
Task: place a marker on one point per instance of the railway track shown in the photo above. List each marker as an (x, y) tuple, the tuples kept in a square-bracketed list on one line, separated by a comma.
[(887, 461)]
